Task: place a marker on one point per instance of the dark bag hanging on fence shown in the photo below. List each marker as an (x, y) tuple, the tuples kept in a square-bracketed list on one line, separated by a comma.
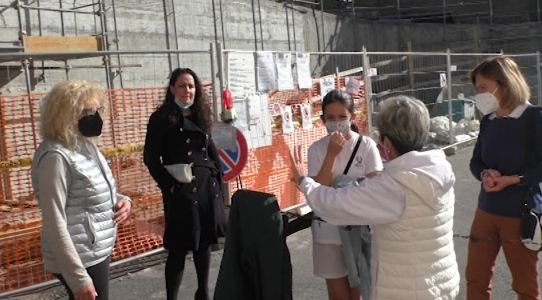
[(531, 221)]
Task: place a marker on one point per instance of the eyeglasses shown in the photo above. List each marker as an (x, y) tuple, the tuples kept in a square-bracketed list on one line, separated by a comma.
[(92, 111)]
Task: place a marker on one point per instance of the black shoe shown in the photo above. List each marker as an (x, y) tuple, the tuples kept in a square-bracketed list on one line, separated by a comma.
[(201, 295)]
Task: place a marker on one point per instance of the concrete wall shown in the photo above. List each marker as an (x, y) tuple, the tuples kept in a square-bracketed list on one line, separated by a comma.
[(342, 34), (141, 25)]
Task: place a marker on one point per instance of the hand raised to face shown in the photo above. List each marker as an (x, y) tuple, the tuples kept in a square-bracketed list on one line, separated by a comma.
[(336, 143)]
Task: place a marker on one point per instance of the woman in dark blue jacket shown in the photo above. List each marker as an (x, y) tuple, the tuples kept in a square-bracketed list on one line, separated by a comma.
[(183, 161), (507, 159)]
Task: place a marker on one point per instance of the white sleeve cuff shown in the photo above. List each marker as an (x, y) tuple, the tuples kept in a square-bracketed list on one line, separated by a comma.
[(307, 184)]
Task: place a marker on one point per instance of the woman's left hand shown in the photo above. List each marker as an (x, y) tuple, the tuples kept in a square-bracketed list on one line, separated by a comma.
[(297, 164), (122, 210), (500, 183)]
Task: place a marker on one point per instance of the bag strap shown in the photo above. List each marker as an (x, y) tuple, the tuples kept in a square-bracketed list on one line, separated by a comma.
[(352, 156), (529, 140)]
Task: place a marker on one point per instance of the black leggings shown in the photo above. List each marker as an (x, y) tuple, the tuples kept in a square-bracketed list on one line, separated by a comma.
[(175, 268), (100, 278)]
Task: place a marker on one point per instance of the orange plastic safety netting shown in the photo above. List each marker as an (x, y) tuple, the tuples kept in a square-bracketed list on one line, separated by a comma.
[(268, 168), (121, 142)]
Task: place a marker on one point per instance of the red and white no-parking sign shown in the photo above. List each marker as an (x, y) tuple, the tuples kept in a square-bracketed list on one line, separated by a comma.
[(233, 161)]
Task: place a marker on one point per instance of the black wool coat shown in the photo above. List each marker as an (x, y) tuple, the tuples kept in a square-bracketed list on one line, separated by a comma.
[(194, 212)]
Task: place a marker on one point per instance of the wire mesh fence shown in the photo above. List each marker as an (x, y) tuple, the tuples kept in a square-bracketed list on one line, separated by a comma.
[(440, 80), (121, 143)]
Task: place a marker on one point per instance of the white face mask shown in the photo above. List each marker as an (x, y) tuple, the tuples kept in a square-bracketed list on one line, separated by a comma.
[(184, 105), (340, 126), (486, 102)]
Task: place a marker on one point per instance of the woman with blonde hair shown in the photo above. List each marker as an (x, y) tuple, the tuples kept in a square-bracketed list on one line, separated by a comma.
[(76, 191), (507, 159)]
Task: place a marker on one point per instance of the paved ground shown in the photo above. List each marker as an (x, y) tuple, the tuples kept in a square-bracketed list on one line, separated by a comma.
[(149, 283)]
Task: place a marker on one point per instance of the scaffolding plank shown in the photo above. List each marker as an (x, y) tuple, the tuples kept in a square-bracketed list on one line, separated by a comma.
[(41, 44)]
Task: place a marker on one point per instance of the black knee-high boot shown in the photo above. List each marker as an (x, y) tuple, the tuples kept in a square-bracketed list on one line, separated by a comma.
[(202, 261), (174, 273)]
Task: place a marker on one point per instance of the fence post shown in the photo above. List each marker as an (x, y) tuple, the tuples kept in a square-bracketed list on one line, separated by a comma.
[(28, 82), (337, 78), (220, 64), (368, 90), (538, 80), (410, 60), (220, 73), (213, 80), (449, 90)]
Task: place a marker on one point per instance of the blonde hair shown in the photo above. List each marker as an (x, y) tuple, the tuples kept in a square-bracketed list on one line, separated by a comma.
[(62, 107), (510, 80)]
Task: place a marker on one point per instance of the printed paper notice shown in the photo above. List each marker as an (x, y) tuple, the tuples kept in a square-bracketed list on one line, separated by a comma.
[(304, 79), (241, 74), (265, 71), (284, 72), (306, 115), (443, 81), (327, 84), (259, 125), (224, 136), (254, 120), (287, 122), (352, 85)]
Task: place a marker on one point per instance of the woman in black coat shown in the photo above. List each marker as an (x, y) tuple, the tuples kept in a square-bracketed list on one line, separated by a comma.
[(178, 135)]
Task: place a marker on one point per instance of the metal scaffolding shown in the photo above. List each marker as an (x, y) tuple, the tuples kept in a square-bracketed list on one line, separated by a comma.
[(108, 37), (96, 9)]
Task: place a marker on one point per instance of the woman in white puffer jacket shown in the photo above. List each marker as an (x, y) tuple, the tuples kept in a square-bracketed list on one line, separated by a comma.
[(410, 204)]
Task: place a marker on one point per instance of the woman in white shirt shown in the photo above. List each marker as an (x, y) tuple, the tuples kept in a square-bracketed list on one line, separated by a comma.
[(327, 160), (410, 204)]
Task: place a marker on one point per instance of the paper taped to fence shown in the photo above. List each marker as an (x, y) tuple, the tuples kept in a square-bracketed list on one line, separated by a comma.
[(285, 80), (352, 85), (306, 115), (241, 74), (259, 126), (327, 84), (304, 79), (254, 120), (223, 136), (265, 70), (443, 80), (287, 122)]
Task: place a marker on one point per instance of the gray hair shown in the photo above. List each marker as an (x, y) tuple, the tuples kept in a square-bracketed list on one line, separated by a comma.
[(405, 122)]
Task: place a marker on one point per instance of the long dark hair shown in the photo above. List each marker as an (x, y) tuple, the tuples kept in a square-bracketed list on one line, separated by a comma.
[(338, 96), (201, 108)]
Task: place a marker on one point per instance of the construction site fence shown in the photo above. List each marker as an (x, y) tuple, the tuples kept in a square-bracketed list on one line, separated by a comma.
[(111, 69), (381, 75), (441, 80), (145, 79)]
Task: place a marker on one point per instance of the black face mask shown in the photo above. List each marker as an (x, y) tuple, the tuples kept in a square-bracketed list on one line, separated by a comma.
[(91, 125)]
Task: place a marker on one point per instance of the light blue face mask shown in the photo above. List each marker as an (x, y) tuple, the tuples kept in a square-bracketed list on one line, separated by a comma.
[(182, 105)]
